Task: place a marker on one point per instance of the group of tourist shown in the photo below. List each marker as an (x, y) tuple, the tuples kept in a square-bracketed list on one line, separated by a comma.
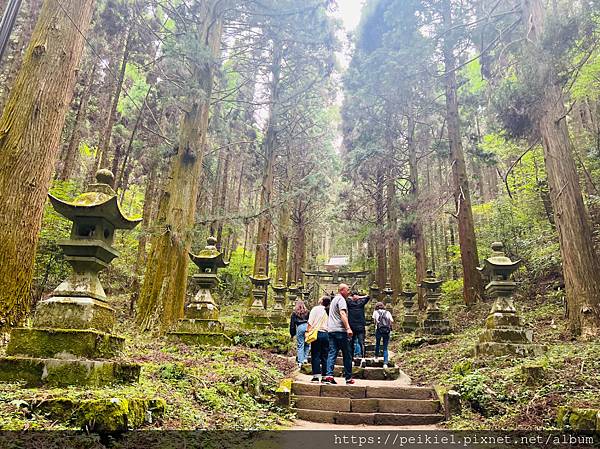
[(341, 326)]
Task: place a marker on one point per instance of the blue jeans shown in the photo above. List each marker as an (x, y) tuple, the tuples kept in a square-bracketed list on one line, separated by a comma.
[(319, 352), (337, 341), (386, 339), (358, 343), (301, 344)]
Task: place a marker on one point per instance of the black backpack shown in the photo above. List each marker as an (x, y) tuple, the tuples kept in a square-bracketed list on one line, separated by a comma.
[(384, 325)]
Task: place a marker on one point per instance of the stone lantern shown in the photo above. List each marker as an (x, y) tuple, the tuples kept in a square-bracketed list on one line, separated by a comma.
[(434, 323), (278, 314), (504, 333), (410, 322), (374, 294), (257, 316), (306, 291), (201, 324), (293, 291), (388, 299), (71, 339)]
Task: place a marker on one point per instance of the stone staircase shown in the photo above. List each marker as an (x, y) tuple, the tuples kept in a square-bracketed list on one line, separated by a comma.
[(381, 397), (366, 404), (373, 370)]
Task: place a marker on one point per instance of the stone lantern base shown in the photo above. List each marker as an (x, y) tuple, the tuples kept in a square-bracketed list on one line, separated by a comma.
[(257, 319), (279, 319), (63, 357), (201, 325), (504, 335), (410, 323), (203, 332), (435, 324), (69, 344)]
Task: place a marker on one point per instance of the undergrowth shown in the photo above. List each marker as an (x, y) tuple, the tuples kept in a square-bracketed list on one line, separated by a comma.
[(495, 393)]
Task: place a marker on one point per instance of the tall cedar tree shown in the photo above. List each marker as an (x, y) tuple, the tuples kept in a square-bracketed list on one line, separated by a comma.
[(581, 267), (30, 130), (462, 196), (162, 296)]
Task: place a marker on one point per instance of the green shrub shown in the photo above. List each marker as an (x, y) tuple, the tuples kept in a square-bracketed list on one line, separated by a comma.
[(452, 291)]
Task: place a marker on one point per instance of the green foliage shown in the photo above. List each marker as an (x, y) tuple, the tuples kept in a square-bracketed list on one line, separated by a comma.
[(234, 284), (173, 371), (277, 341), (473, 388), (452, 291)]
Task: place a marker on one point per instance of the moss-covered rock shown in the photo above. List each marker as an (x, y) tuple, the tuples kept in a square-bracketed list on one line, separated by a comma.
[(63, 343), (571, 418), (36, 372), (274, 340), (104, 415), (283, 393)]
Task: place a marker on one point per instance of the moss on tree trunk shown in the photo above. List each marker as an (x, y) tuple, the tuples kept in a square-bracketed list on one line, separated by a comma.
[(162, 297), (581, 267), (30, 130), (462, 196)]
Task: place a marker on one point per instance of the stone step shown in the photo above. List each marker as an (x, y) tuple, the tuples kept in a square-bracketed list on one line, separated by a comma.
[(372, 373), (352, 418), (369, 361), (374, 405), (363, 391)]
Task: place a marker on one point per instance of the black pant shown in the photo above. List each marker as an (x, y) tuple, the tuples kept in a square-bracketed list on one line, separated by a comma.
[(359, 335), (319, 350)]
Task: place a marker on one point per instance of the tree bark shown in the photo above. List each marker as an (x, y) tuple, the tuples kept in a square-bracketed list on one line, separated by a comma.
[(264, 220), (419, 236), (30, 130), (466, 229), (13, 55), (283, 243), (72, 151), (581, 267), (162, 297), (380, 246), (104, 146), (394, 242), (147, 216)]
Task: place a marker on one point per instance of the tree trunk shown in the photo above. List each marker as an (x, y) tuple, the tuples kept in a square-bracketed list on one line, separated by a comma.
[(462, 197), (122, 177), (419, 236), (30, 130), (264, 220), (222, 209), (147, 216), (380, 247), (394, 243), (13, 55), (70, 158), (162, 297), (283, 243), (112, 116), (581, 267)]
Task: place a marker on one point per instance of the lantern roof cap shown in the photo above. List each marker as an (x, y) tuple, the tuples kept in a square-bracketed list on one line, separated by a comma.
[(99, 201), (498, 260), (210, 256)]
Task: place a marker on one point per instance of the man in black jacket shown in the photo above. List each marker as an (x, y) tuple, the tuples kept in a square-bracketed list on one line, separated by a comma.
[(356, 319)]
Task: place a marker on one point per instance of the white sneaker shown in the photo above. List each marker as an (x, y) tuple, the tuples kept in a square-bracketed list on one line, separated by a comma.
[(385, 366)]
